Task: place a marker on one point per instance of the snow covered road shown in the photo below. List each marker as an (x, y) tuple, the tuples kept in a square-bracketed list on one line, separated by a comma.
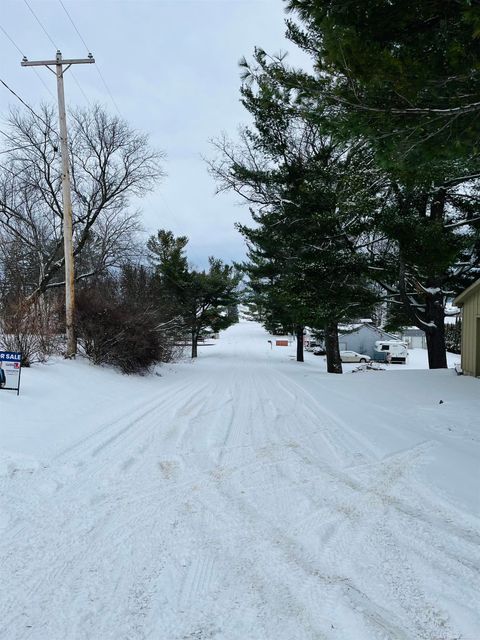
[(245, 497)]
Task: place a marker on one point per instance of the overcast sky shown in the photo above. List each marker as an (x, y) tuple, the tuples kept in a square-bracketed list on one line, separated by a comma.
[(172, 68)]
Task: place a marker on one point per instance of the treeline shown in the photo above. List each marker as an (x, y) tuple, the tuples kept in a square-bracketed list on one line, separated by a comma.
[(362, 170), (140, 315), (130, 317), (137, 303)]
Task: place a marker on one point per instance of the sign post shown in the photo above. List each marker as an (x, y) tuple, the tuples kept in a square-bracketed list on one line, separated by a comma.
[(10, 370)]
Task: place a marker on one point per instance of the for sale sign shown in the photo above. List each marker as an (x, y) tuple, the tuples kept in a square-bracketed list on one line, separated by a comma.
[(10, 370)]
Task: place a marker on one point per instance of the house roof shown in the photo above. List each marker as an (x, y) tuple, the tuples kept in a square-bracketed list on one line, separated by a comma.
[(473, 288), (349, 329)]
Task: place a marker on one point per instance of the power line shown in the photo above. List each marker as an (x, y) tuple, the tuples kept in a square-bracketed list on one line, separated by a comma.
[(15, 174), (7, 135), (108, 90), (80, 88), (21, 99), (25, 146), (38, 145), (25, 104), (12, 41), (57, 48), (97, 67), (2, 166), (40, 23), (23, 54), (74, 26)]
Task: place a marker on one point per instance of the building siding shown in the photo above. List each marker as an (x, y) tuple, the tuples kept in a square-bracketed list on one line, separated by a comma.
[(363, 339), (415, 338), (470, 313)]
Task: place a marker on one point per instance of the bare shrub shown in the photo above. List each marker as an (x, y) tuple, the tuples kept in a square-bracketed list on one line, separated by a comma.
[(112, 331), (29, 326)]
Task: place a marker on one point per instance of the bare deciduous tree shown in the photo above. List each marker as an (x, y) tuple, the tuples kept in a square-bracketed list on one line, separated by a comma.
[(110, 164)]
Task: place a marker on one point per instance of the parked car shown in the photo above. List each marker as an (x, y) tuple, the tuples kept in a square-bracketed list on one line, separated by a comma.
[(319, 351), (310, 345), (353, 356)]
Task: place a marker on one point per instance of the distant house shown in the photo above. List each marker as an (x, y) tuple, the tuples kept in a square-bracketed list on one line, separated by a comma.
[(415, 338), (361, 337), (469, 302)]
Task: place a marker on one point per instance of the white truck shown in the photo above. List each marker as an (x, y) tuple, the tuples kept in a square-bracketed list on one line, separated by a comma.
[(393, 351)]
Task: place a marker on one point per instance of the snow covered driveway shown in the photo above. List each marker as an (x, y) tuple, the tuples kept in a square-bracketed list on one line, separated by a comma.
[(242, 497)]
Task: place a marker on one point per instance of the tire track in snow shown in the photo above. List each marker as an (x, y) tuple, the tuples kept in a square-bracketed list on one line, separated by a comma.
[(241, 521), (123, 436), (244, 511), (434, 513), (393, 470), (133, 517), (394, 473)]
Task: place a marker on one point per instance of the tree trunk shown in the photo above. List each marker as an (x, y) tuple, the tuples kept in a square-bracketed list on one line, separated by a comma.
[(437, 356), (437, 350), (299, 334), (334, 363), (434, 304), (433, 316), (194, 344)]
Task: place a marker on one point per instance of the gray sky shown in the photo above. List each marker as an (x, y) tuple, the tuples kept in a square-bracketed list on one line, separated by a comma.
[(172, 68)]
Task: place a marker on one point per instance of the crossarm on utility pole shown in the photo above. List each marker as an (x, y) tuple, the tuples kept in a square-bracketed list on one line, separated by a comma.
[(53, 63)]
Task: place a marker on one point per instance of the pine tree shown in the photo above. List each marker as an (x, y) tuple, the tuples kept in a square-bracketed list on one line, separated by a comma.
[(310, 202), (406, 72), (402, 77), (202, 299)]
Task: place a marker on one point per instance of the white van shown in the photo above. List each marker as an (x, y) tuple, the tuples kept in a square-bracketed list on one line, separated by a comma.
[(391, 350)]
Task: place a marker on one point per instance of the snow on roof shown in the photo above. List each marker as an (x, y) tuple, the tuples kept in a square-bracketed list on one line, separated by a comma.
[(350, 327), (345, 329)]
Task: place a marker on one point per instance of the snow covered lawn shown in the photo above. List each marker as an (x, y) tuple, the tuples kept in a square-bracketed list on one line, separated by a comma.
[(240, 497)]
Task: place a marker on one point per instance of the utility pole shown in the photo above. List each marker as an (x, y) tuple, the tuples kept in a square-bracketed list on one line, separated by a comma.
[(59, 63)]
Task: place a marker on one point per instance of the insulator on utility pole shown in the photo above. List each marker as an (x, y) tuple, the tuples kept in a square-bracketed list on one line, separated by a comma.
[(59, 63)]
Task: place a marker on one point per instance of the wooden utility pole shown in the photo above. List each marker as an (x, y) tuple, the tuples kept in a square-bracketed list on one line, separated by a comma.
[(59, 63)]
